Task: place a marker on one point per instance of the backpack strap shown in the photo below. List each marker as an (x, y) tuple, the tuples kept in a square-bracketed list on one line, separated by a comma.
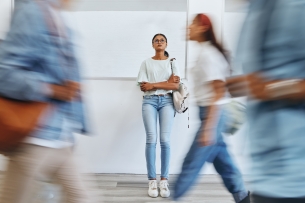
[(171, 61)]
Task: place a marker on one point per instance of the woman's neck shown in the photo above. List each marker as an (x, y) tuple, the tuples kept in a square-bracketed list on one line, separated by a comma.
[(160, 56)]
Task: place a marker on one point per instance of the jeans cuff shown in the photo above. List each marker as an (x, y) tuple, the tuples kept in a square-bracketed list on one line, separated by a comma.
[(240, 196)]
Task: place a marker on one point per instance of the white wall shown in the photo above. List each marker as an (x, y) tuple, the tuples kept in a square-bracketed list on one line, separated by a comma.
[(115, 106), (118, 144), (5, 11)]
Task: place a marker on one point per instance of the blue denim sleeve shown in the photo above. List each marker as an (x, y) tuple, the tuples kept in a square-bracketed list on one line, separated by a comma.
[(79, 107), (19, 53)]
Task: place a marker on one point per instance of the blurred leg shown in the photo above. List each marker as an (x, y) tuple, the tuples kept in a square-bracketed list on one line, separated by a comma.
[(196, 157), (23, 169), (193, 162), (225, 166), (230, 175), (68, 176), (35, 163)]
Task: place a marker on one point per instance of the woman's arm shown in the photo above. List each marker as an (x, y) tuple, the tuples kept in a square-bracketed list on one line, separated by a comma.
[(171, 84), (237, 86), (256, 87), (207, 134), (21, 50), (145, 86)]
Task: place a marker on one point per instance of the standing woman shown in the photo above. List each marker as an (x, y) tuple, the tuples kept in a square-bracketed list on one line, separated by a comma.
[(157, 80), (209, 76)]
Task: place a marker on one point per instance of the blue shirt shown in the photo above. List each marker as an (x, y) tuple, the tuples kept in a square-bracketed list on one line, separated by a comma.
[(273, 44)]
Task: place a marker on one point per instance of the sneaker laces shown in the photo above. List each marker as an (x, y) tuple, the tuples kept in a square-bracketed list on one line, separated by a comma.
[(153, 185), (164, 185)]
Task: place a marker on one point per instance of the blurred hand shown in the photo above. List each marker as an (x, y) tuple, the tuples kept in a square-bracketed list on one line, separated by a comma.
[(207, 134), (145, 86), (252, 85), (257, 87), (174, 79), (66, 92), (237, 86), (206, 138)]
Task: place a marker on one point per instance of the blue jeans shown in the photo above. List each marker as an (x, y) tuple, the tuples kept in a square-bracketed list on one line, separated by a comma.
[(216, 154), (151, 108)]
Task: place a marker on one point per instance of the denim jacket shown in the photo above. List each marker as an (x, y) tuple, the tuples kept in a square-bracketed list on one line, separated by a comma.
[(31, 58)]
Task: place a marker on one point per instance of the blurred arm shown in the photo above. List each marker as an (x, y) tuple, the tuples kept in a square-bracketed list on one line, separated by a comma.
[(257, 87), (275, 90), (208, 127), (22, 50), (237, 86)]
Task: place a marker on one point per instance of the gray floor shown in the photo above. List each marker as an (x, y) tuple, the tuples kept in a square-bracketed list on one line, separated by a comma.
[(118, 188), (127, 188)]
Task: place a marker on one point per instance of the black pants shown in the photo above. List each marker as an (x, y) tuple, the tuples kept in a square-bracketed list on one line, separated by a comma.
[(261, 199)]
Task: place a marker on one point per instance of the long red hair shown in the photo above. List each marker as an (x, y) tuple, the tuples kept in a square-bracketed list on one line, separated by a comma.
[(209, 34)]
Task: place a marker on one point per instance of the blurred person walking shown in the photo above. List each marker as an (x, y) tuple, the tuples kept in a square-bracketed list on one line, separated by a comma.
[(37, 63), (272, 54), (209, 76), (158, 77)]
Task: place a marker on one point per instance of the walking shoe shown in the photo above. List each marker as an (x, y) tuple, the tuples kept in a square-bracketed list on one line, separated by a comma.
[(153, 188), (164, 191), (247, 199)]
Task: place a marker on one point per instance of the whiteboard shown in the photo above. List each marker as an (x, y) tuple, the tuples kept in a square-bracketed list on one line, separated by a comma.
[(115, 43)]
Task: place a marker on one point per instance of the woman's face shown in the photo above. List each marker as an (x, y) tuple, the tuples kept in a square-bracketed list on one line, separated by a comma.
[(196, 30), (159, 43)]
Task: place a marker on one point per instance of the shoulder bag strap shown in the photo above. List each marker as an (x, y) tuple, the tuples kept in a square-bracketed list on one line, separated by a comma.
[(171, 61)]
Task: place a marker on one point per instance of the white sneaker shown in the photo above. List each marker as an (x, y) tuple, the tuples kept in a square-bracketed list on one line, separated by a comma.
[(153, 188), (164, 191)]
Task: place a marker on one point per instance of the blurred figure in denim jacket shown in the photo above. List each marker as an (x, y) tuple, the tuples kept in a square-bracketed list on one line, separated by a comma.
[(37, 63), (272, 54)]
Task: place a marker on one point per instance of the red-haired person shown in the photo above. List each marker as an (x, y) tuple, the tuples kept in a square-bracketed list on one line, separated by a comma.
[(209, 77)]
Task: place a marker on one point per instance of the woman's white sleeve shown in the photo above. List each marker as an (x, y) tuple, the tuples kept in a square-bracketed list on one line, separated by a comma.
[(176, 69), (142, 76)]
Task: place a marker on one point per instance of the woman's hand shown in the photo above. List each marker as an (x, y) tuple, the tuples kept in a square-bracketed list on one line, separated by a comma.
[(237, 86), (66, 92), (257, 87), (174, 79), (145, 86), (206, 138)]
